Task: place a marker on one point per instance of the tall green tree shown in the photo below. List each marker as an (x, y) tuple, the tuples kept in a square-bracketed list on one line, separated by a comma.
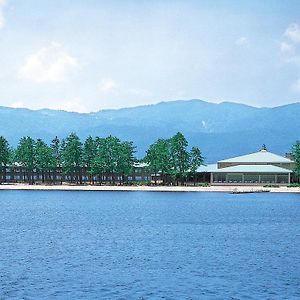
[(126, 159), (57, 146), (99, 164), (158, 158), (4, 157), (44, 158), (89, 154), (112, 148), (179, 156), (152, 160), (196, 160), (72, 157), (164, 150), (56, 151), (25, 156), (296, 157), (113, 157)]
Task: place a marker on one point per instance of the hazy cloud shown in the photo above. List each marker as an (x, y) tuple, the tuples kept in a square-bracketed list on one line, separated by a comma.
[(289, 53), (49, 64), (293, 33), (107, 86), (110, 86), (287, 48), (242, 41), (296, 86), (127, 53), (139, 92), (74, 105), (17, 104), (2, 19)]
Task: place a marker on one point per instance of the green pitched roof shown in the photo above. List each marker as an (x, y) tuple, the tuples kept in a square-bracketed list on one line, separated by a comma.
[(262, 156), (208, 168)]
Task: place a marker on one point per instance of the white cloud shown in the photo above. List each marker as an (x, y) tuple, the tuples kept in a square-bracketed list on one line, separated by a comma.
[(74, 105), (296, 86), (289, 54), (293, 59), (49, 64), (2, 19), (242, 41), (293, 33), (108, 86), (139, 92), (18, 104), (287, 48)]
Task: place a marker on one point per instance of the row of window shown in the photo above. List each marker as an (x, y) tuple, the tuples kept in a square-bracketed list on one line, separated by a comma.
[(249, 178), (84, 178)]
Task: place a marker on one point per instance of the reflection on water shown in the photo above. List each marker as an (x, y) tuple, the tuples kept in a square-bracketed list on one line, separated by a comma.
[(132, 245)]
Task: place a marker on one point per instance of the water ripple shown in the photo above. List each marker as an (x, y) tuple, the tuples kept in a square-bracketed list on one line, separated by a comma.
[(74, 245)]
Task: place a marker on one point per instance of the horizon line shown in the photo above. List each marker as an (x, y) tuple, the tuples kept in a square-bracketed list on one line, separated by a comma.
[(151, 104)]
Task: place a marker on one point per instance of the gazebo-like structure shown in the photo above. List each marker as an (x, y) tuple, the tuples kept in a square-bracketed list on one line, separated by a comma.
[(259, 168)]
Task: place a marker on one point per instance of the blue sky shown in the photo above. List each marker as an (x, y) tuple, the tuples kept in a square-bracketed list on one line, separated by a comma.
[(90, 55)]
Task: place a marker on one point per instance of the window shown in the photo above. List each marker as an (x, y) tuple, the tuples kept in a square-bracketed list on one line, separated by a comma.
[(267, 178), (282, 179), (251, 178), (219, 177), (235, 178)]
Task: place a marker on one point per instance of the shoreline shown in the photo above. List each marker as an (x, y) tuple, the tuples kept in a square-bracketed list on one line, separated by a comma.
[(103, 188)]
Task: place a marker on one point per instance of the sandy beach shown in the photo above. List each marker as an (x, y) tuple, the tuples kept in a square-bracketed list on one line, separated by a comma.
[(224, 189)]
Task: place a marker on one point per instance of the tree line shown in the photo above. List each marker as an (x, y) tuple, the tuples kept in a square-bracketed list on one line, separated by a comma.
[(98, 156), (296, 157)]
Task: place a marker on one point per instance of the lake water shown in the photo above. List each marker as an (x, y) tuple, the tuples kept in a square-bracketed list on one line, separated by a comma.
[(135, 245)]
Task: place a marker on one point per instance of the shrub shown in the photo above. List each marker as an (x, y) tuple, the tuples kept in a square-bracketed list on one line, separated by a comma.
[(295, 184), (272, 185), (203, 184)]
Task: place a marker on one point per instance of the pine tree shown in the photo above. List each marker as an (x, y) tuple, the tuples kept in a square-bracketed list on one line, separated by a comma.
[(99, 164), (4, 157), (296, 157), (158, 158), (179, 156), (89, 154), (56, 146), (196, 160), (126, 158), (44, 158), (72, 157), (112, 148), (25, 156)]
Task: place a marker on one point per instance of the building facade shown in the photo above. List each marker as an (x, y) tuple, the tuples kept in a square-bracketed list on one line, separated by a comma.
[(259, 168)]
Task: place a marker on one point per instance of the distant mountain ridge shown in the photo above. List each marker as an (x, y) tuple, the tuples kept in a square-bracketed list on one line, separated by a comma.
[(220, 130)]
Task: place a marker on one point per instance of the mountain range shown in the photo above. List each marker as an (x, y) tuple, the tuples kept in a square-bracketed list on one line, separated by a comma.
[(219, 130)]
